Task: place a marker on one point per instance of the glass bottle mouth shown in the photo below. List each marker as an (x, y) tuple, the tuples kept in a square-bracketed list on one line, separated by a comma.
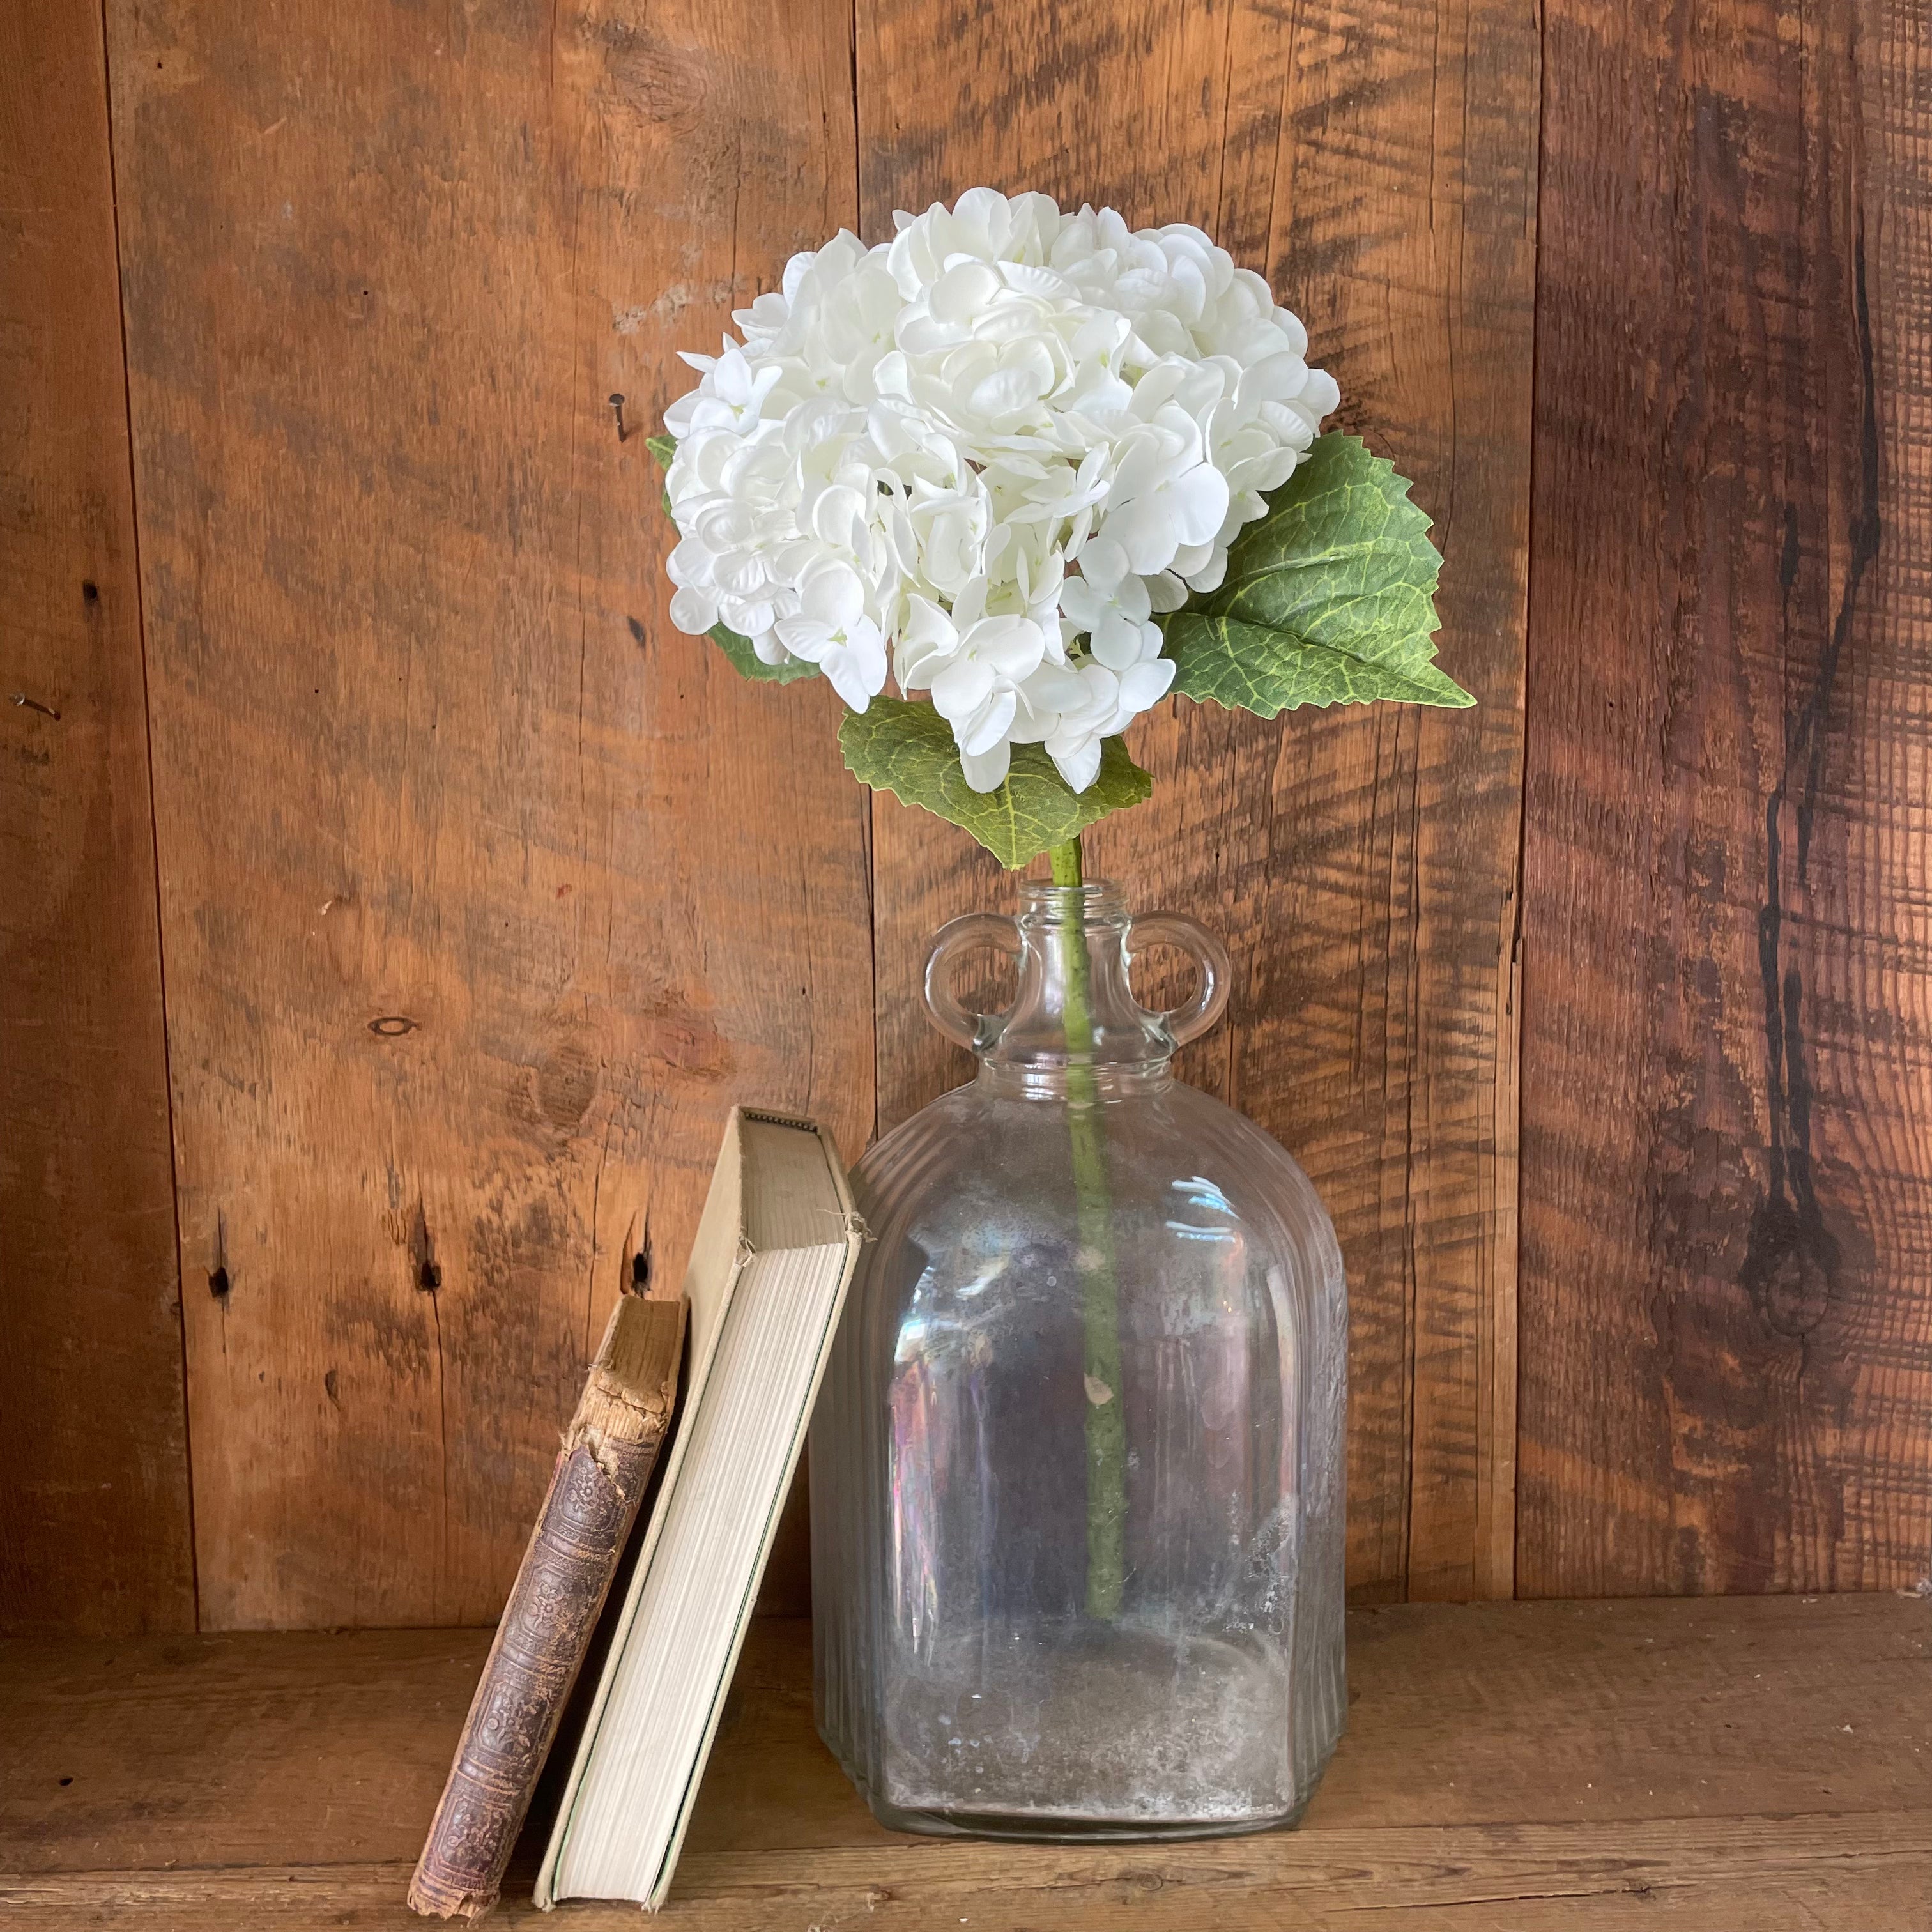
[(1099, 901)]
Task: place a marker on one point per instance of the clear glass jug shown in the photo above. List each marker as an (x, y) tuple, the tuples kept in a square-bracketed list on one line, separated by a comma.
[(1076, 1466)]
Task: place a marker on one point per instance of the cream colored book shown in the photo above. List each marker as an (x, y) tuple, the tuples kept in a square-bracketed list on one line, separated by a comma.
[(767, 1278)]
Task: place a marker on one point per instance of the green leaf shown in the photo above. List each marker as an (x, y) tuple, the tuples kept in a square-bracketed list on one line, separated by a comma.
[(908, 750), (744, 660), (664, 447), (1329, 599)]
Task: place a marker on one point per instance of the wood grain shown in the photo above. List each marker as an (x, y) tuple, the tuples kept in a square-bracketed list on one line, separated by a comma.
[(486, 893), (1559, 1765), (93, 1506), (1378, 162), (1815, 1874), (1727, 1209)]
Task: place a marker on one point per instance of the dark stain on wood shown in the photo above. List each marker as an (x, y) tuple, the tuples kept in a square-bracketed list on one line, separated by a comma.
[(1791, 1265)]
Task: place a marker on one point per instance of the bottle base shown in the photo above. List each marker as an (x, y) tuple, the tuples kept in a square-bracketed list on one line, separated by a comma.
[(1020, 1829), (1086, 1732)]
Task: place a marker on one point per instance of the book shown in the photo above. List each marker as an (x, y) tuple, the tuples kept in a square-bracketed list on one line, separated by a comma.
[(775, 1252), (602, 1472)]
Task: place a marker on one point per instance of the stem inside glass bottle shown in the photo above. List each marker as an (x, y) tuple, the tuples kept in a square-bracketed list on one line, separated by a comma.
[(1106, 1424)]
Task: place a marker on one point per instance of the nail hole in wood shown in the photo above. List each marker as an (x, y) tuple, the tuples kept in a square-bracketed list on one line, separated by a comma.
[(429, 1276), (392, 1026), (90, 591), (217, 1283), (67, 1781)]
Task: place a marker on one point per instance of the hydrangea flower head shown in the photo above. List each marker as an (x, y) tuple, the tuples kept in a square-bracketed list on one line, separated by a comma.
[(980, 457)]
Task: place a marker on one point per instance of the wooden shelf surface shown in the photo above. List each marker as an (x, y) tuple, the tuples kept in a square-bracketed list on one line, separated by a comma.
[(1741, 1764)]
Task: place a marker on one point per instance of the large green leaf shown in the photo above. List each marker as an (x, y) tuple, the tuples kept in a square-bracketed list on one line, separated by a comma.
[(744, 660), (1329, 599), (908, 750)]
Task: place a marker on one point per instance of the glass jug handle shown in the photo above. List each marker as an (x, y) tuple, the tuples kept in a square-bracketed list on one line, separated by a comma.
[(966, 934), (1189, 936)]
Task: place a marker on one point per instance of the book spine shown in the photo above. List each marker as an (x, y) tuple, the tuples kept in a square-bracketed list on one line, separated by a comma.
[(587, 1516)]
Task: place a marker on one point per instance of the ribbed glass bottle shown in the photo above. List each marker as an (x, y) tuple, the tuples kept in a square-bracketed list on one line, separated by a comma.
[(1076, 1467)]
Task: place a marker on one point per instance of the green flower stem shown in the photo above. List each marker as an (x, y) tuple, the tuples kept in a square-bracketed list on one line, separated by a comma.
[(1100, 1299)]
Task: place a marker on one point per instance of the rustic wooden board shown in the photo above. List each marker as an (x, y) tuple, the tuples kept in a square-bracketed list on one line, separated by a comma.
[(94, 1504), (1727, 1201), (1560, 1764), (1378, 164), (485, 892), (1816, 1874)]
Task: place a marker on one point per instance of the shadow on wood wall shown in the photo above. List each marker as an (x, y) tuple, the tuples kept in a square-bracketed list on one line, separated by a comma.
[(399, 902)]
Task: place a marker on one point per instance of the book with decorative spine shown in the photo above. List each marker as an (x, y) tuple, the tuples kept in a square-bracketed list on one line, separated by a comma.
[(769, 1270), (601, 1473)]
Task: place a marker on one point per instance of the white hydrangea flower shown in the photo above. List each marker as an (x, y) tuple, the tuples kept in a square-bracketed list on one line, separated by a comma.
[(988, 453)]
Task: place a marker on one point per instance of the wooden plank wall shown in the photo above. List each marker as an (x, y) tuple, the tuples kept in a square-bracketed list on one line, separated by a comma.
[(469, 949), (1727, 1070), (93, 1451), (482, 893)]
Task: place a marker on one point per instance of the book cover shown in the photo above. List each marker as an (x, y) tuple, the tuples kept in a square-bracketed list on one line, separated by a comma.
[(602, 1471), (775, 1252)]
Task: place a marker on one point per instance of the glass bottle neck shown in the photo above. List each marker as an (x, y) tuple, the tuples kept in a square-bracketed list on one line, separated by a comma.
[(1074, 1031)]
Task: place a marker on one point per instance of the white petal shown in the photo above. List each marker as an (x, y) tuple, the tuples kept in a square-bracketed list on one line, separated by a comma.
[(1012, 646), (964, 292), (1279, 378), (988, 725), (1145, 532), (1209, 575), (1005, 394), (836, 512), (928, 628), (1078, 762), (1083, 603), (833, 595), (804, 637), (856, 673), (1166, 592), (987, 772), (691, 563), (1117, 641), (1103, 562), (1054, 688), (1200, 501), (694, 611), (961, 688), (1132, 599), (1146, 685), (748, 616)]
